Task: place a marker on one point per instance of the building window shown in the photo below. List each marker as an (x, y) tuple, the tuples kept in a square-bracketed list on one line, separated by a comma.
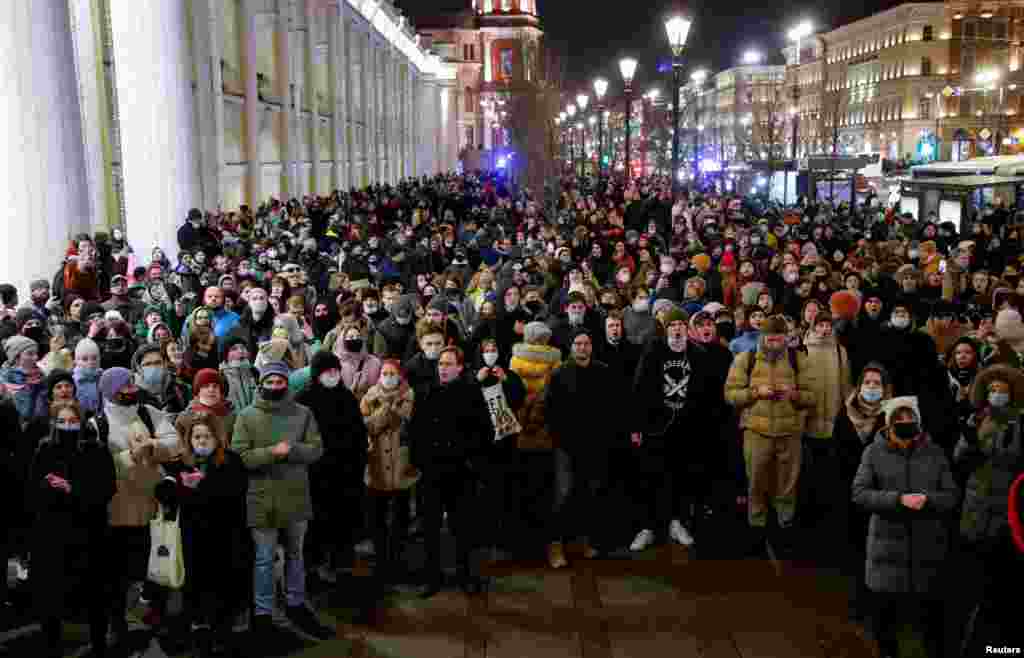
[(967, 62), (926, 33), (926, 66), (970, 30), (470, 142), (506, 63), (472, 52), (506, 5), (924, 108)]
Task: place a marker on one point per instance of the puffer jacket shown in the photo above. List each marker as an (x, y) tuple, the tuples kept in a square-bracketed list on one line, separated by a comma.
[(991, 450), (906, 549), (278, 488), (770, 418), (385, 412), (828, 377), (534, 365)]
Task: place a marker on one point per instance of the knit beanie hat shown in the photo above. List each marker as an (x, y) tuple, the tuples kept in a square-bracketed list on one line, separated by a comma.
[(534, 332), (844, 304), (891, 406), (773, 326), (702, 262), (1010, 328), (86, 347), (676, 314), (273, 368), (661, 305), (113, 380), (714, 307), (55, 377), (15, 345), (205, 377), (700, 316)]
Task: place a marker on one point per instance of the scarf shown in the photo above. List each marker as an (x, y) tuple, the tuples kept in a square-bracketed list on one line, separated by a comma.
[(863, 415), (963, 376)]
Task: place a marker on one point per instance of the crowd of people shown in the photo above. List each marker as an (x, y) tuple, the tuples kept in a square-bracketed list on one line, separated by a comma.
[(592, 364)]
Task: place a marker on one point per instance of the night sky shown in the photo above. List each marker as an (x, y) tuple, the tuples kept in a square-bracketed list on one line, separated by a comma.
[(594, 34)]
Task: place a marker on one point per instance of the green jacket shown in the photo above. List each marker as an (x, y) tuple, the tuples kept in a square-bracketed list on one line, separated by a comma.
[(278, 488)]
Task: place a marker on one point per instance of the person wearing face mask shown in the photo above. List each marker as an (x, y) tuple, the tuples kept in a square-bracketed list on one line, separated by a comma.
[(359, 369), (393, 334), (769, 389), (158, 386), (385, 409), (859, 421), (278, 439), (336, 480), (829, 381), (421, 369), (576, 316), (23, 379), (39, 295), (140, 437), (905, 482), (256, 322), (240, 377), (638, 320), (990, 453), (71, 482), (449, 431), (87, 375), (678, 389), (505, 393), (120, 301), (208, 484)]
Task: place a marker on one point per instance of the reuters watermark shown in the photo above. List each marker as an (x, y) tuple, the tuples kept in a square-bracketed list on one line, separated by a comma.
[(1002, 651)]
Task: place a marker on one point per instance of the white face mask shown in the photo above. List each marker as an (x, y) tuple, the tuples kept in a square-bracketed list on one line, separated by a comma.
[(330, 381), (258, 306), (490, 358), (433, 353), (677, 343), (900, 322), (390, 382), (641, 305), (575, 318), (668, 269)]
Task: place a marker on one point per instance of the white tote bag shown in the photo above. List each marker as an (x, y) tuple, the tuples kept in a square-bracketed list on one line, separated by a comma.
[(166, 556)]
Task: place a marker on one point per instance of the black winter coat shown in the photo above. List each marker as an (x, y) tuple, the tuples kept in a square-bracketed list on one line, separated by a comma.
[(582, 409), (344, 435), (450, 425), (69, 530)]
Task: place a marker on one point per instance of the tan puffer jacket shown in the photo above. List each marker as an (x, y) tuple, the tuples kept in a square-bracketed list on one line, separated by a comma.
[(828, 378), (534, 364), (770, 418)]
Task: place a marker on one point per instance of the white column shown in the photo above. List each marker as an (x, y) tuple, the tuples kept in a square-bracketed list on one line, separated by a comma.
[(43, 183), (348, 43), (156, 106), (287, 88), (310, 57), (87, 39), (334, 86), (369, 132), (386, 107), (207, 22), (253, 109)]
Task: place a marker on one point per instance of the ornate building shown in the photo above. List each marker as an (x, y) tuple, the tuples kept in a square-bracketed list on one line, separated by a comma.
[(493, 44)]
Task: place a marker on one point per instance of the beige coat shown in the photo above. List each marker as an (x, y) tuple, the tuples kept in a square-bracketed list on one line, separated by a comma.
[(828, 377), (387, 466)]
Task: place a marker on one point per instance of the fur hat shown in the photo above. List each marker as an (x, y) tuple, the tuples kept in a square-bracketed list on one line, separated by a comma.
[(774, 325), (999, 372), (890, 407), (844, 304), (113, 380)]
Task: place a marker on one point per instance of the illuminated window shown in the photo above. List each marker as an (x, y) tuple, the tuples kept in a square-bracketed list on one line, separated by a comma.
[(926, 33)]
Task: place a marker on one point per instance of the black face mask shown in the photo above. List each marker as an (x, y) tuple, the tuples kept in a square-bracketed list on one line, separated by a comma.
[(35, 333), (534, 307), (354, 344), (115, 345), (273, 394), (608, 307), (68, 436), (906, 431)]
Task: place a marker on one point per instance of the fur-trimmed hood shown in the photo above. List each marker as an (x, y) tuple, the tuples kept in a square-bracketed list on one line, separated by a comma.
[(979, 391)]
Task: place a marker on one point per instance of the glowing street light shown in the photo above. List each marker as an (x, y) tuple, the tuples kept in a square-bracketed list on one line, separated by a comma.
[(571, 110), (678, 29), (699, 76), (582, 100), (600, 88), (627, 67), (752, 57)]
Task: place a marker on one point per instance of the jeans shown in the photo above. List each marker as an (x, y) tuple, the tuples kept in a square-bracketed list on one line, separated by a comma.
[(581, 494), (295, 568)]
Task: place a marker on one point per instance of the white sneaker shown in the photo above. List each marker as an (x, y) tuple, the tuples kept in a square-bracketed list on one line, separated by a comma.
[(678, 532), (644, 538)]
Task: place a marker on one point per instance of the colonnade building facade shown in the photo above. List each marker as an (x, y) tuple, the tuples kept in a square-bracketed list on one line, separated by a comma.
[(129, 112)]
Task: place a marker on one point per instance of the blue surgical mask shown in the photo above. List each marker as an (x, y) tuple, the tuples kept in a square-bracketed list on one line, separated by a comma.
[(999, 400), (871, 394), (203, 451)]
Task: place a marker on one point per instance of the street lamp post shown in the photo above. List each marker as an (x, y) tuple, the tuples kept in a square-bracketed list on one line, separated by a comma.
[(678, 28), (697, 77), (571, 112), (582, 100), (797, 34), (600, 89), (627, 67)]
